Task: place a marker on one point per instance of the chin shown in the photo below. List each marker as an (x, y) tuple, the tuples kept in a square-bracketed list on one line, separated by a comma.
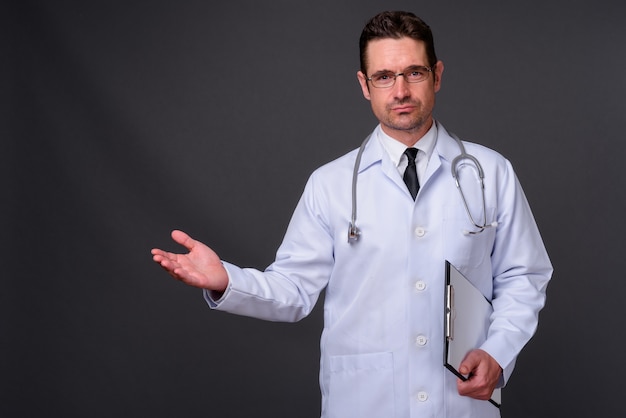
[(407, 126)]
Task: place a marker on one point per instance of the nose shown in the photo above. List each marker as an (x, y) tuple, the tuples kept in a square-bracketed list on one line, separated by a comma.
[(401, 87)]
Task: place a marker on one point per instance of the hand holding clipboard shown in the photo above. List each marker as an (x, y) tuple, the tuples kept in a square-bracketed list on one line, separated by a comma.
[(466, 321)]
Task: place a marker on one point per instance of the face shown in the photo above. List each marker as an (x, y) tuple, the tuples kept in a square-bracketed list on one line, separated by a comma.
[(404, 109)]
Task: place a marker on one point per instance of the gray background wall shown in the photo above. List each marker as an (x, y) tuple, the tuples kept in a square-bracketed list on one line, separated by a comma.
[(122, 122)]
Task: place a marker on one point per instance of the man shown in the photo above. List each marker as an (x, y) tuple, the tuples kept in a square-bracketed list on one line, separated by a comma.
[(382, 343)]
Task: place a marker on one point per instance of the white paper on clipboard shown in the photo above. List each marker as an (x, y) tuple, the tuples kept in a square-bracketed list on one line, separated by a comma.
[(466, 321)]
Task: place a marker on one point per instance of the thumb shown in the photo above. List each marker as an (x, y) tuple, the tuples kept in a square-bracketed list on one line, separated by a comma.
[(468, 364), (463, 369), (183, 239)]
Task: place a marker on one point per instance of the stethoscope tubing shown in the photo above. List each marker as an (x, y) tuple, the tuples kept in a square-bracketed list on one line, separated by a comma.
[(354, 232)]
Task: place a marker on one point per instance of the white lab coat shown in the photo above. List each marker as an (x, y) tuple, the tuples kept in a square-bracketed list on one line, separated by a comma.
[(382, 343)]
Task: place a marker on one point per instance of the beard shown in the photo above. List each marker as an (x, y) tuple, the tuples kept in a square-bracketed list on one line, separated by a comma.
[(416, 120)]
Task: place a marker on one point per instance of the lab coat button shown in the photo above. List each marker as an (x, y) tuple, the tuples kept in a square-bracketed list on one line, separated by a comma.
[(419, 231), (421, 340), (420, 285), (422, 396)]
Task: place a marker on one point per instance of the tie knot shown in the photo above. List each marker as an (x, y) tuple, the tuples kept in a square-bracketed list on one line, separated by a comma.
[(411, 153)]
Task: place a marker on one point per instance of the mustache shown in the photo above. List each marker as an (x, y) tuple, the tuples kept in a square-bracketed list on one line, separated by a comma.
[(407, 101)]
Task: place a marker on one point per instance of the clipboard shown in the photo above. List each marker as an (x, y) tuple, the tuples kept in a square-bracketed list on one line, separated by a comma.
[(466, 322)]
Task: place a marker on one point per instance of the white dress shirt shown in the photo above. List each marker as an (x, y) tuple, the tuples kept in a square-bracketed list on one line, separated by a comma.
[(395, 150)]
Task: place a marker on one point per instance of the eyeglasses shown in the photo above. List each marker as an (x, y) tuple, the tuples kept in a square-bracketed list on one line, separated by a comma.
[(414, 74)]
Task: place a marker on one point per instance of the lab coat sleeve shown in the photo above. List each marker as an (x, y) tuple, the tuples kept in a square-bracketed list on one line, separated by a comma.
[(289, 288), (521, 271)]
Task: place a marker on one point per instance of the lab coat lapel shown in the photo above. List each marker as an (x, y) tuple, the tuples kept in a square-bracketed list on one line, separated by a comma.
[(375, 153), (446, 149)]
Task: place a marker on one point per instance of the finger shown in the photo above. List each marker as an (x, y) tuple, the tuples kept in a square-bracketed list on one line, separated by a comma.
[(477, 393), (183, 239), (178, 272), (165, 262), (157, 251), (158, 255), (473, 387)]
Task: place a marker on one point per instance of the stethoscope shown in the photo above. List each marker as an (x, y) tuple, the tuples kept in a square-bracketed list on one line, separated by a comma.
[(354, 232)]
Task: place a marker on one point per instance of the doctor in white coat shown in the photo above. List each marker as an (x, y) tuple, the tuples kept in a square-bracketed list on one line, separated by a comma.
[(382, 343)]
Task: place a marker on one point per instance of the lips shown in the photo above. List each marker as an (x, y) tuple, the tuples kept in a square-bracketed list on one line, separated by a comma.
[(403, 109)]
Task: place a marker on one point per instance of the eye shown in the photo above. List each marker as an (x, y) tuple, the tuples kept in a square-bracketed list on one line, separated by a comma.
[(383, 76), (416, 74)]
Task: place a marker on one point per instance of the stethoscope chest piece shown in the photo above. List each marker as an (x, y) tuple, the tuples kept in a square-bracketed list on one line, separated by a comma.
[(353, 233)]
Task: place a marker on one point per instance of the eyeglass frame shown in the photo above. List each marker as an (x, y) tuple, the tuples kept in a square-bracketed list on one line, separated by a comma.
[(410, 69)]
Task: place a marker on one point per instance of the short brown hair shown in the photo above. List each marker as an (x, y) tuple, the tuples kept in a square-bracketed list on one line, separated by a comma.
[(396, 25)]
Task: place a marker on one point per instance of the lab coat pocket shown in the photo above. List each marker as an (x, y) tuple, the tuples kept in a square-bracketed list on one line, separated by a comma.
[(464, 249), (361, 385)]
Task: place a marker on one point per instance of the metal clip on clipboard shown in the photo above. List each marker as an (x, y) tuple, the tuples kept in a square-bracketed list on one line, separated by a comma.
[(449, 331)]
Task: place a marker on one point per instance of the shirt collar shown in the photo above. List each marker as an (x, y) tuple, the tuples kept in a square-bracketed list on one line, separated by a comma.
[(395, 149)]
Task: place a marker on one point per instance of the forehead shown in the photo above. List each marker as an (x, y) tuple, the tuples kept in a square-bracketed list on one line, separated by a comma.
[(395, 54)]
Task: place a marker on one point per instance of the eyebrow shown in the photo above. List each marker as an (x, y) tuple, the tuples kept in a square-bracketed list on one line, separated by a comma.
[(410, 67)]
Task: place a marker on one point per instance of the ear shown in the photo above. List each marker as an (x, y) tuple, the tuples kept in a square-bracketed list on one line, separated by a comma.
[(437, 74), (363, 82)]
